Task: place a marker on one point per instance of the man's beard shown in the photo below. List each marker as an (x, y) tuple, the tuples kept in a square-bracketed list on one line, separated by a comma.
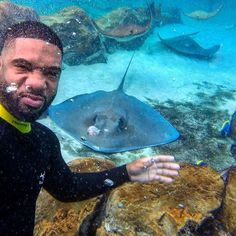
[(12, 102)]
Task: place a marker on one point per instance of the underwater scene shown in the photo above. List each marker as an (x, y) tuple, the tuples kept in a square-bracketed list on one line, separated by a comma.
[(142, 78)]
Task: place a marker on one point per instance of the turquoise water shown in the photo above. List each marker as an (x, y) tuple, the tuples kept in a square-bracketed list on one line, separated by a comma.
[(196, 96)]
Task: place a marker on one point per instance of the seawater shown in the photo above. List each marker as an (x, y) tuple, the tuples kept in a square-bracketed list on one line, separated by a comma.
[(196, 96)]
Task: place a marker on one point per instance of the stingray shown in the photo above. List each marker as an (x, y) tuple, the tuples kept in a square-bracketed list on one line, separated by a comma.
[(112, 121), (127, 32), (186, 45), (204, 15)]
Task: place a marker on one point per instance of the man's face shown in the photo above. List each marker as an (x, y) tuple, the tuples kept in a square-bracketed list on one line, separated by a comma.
[(29, 76)]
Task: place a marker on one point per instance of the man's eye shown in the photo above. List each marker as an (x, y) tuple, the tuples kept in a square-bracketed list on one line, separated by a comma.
[(23, 68), (52, 74)]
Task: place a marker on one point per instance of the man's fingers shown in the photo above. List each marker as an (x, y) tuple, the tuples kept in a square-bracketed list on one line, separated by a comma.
[(163, 179), (167, 165), (148, 161), (162, 158), (166, 172)]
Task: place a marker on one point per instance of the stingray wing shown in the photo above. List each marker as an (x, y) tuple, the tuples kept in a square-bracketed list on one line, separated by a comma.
[(145, 126)]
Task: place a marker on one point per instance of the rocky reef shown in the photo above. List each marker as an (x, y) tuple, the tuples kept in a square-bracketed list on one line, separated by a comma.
[(228, 212), (11, 14), (189, 206), (81, 42)]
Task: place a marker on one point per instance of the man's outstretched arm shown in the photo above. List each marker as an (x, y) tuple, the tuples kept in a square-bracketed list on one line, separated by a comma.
[(68, 186)]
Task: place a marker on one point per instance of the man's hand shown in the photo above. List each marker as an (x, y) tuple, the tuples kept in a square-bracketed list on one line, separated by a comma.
[(161, 168)]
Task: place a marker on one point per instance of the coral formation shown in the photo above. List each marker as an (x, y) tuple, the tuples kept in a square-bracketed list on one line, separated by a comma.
[(189, 206)]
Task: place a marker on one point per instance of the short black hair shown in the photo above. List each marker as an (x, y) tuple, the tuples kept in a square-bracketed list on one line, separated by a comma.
[(34, 30)]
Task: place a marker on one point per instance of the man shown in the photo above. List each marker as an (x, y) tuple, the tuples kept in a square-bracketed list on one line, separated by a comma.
[(30, 67)]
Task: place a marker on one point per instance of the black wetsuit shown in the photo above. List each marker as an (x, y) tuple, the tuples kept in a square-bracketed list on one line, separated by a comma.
[(31, 161)]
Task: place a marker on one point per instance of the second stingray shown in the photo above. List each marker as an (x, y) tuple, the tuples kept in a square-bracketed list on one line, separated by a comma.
[(113, 121), (186, 45)]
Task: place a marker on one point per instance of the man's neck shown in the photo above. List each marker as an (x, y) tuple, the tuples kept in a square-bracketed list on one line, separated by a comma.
[(23, 127)]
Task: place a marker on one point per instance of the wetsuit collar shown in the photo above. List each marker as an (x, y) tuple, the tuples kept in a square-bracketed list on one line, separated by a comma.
[(23, 127)]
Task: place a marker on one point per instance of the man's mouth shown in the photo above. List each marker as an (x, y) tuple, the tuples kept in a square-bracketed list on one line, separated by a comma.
[(32, 100)]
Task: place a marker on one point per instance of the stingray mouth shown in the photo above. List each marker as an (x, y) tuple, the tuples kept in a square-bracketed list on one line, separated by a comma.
[(93, 130)]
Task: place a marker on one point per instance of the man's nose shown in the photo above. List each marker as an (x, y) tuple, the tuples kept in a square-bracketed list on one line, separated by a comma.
[(36, 80)]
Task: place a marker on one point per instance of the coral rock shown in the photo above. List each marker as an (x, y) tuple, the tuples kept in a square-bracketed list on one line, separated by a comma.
[(81, 42), (228, 213), (162, 209), (11, 14)]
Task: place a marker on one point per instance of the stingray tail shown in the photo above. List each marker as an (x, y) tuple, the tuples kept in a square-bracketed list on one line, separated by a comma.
[(211, 51), (123, 79), (95, 26)]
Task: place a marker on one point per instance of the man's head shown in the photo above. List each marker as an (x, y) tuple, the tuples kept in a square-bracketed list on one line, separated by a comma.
[(30, 66)]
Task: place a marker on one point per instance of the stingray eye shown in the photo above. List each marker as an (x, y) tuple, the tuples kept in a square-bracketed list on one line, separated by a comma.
[(122, 123)]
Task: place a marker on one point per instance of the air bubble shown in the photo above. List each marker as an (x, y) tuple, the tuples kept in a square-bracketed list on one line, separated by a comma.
[(11, 88), (108, 182)]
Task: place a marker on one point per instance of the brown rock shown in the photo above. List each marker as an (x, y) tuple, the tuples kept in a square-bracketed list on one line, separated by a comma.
[(228, 213), (120, 16), (160, 209), (57, 218), (81, 42), (11, 14)]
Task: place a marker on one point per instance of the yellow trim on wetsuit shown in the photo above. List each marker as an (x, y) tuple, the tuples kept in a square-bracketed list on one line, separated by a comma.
[(23, 127)]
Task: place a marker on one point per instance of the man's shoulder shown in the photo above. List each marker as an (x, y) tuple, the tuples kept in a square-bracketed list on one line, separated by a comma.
[(42, 130)]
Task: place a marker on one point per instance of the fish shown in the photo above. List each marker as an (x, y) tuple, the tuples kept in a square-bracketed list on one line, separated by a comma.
[(204, 15), (229, 127), (127, 32), (111, 122), (186, 45)]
